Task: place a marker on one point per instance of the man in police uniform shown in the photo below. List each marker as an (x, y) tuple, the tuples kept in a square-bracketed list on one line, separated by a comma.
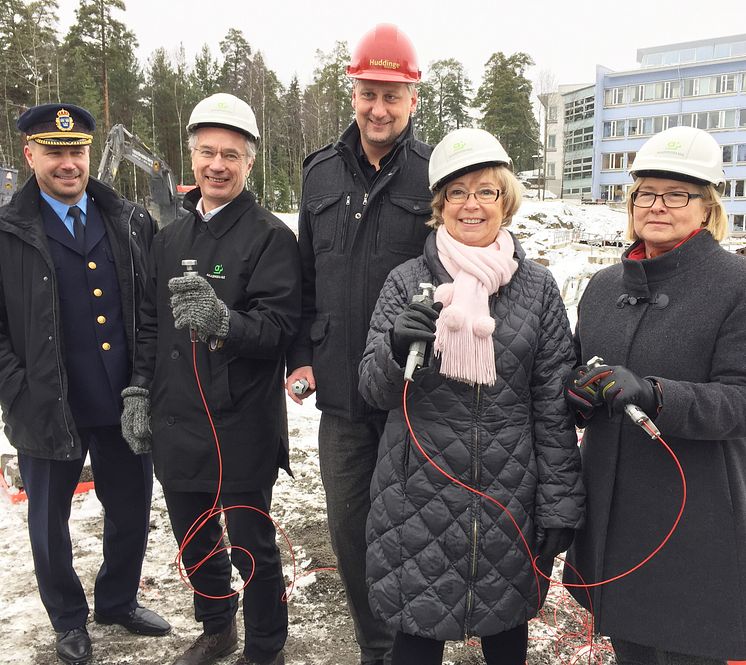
[(364, 211), (71, 271)]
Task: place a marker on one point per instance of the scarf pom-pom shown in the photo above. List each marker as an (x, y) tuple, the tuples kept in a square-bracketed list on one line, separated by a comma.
[(483, 326), (453, 317), (444, 294)]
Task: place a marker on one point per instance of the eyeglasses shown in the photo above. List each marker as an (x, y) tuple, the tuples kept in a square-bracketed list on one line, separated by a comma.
[(208, 154), (670, 199), (483, 195)]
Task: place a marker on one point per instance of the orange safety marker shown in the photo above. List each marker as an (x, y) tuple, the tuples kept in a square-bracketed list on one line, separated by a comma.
[(17, 497)]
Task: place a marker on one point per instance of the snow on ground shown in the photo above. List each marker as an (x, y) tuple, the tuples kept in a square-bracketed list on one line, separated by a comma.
[(320, 629)]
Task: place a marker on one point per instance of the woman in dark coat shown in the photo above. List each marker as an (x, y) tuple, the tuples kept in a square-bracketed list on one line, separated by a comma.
[(674, 313), (443, 562)]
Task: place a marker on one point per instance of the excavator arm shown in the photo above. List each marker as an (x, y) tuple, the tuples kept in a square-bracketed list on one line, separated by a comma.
[(164, 202)]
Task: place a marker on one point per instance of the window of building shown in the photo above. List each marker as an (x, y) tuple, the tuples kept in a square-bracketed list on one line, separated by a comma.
[(742, 123), (728, 154), (671, 89), (704, 53), (579, 109), (612, 161), (579, 168), (646, 126), (741, 152), (722, 50), (613, 193), (551, 170), (613, 96), (739, 223), (613, 129), (579, 139), (725, 83), (631, 158), (552, 114), (734, 189), (552, 142)]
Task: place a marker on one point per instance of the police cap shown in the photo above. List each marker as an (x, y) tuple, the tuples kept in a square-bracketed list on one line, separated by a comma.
[(57, 124)]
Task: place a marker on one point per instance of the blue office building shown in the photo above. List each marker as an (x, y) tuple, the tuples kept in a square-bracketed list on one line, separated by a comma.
[(699, 84)]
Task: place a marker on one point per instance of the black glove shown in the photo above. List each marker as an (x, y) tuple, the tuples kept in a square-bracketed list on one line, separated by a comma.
[(196, 306), (415, 324), (554, 541), (584, 401), (619, 386)]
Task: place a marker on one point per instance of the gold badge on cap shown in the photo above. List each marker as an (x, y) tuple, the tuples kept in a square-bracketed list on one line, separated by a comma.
[(64, 121)]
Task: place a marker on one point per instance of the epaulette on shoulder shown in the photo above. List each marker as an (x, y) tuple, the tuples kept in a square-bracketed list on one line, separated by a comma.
[(318, 155), (422, 149)]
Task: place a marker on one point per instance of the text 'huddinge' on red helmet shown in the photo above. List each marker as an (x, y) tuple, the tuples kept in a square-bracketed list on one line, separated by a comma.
[(385, 53)]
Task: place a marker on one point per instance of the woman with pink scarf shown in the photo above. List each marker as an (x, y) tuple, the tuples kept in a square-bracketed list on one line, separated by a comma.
[(445, 563)]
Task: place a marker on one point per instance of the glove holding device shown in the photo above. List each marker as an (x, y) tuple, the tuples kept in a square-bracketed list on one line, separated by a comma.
[(584, 401), (416, 323), (619, 386), (196, 306)]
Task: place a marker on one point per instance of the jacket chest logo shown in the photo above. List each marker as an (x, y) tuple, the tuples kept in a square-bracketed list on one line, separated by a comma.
[(217, 272)]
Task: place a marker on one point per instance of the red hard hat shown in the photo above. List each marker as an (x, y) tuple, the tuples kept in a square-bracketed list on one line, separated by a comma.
[(385, 54)]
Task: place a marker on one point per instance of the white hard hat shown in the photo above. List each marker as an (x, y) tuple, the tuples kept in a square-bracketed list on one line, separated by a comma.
[(464, 150), (681, 153), (224, 110)]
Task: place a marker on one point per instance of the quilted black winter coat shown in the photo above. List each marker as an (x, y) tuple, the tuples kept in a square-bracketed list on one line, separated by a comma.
[(442, 562)]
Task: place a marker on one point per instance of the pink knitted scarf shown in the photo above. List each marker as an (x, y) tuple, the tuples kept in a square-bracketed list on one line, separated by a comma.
[(463, 337)]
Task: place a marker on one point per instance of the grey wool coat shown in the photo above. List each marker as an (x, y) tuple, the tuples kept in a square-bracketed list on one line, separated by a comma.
[(442, 562), (682, 320)]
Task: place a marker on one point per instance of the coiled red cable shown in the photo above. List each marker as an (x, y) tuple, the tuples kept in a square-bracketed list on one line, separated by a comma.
[(536, 571), (216, 511)]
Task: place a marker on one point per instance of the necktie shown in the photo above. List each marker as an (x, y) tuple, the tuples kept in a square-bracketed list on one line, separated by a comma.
[(78, 227)]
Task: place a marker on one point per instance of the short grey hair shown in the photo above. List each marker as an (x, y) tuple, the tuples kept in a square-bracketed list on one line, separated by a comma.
[(250, 143)]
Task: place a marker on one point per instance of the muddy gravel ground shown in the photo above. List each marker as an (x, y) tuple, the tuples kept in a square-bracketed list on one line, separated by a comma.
[(320, 629)]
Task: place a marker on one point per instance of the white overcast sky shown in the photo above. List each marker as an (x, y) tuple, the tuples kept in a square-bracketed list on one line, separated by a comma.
[(565, 37)]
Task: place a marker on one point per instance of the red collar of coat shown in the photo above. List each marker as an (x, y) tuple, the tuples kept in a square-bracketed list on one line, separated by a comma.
[(637, 253)]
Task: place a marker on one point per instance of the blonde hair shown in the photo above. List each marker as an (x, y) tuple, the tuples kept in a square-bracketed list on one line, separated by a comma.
[(716, 219), (511, 193)]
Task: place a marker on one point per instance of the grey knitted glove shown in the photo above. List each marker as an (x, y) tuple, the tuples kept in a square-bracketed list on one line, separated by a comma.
[(136, 419), (195, 306)]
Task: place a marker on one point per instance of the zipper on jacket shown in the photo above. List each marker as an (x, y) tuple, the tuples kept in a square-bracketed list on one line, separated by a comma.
[(134, 289), (59, 368), (476, 480), (377, 243), (345, 224)]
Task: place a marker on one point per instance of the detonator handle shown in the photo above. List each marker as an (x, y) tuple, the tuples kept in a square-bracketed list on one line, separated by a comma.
[(416, 357), (190, 268)]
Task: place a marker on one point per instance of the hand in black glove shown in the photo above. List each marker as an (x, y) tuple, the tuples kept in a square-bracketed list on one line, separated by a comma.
[(554, 541), (619, 386), (584, 401), (415, 324)]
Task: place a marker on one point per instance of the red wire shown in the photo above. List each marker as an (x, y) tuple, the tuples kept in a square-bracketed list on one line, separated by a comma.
[(201, 521), (533, 559)]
